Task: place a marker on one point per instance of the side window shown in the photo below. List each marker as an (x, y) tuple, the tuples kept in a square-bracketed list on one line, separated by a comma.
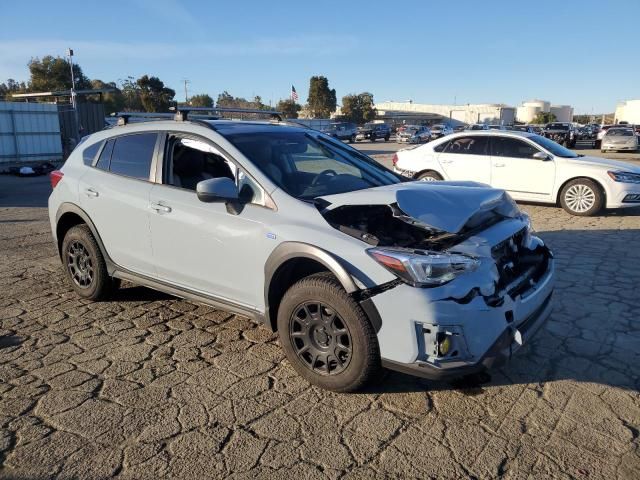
[(442, 147), (190, 160), (89, 153), (132, 155), (105, 156), (512, 147), (474, 145)]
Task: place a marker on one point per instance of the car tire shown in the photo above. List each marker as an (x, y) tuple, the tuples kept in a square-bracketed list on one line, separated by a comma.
[(326, 335), (429, 176), (352, 139), (582, 197), (372, 138), (386, 139), (85, 265)]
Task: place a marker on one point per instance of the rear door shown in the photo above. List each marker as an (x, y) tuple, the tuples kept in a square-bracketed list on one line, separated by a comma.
[(115, 194), (514, 169), (467, 158)]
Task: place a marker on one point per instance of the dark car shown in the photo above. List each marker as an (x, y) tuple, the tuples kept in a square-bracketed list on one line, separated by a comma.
[(342, 131), (374, 131), (563, 133)]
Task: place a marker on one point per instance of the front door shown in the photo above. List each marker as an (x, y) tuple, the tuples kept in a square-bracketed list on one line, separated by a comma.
[(203, 246), (514, 169)]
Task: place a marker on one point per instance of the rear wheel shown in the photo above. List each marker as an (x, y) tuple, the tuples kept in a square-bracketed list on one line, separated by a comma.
[(386, 139), (582, 197), (430, 176), (85, 264), (372, 137), (326, 336)]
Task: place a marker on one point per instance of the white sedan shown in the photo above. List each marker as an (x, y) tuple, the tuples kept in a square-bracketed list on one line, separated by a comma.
[(530, 167)]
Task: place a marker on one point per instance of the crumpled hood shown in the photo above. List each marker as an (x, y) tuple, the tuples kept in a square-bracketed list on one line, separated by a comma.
[(444, 206), (605, 163)]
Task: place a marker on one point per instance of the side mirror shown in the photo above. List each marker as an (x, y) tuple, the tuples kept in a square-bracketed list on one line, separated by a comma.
[(217, 190), (539, 156)]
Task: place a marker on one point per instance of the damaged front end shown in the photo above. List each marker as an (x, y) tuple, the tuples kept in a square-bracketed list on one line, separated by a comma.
[(484, 280)]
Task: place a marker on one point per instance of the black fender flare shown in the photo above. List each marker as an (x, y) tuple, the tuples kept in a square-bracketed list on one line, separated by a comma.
[(69, 207), (290, 250)]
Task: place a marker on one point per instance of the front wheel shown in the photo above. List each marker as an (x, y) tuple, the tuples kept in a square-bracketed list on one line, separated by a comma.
[(429, 176), (85, 265), (352, 139), (326, 335), (582, 197), (372, 138), (386, 139)]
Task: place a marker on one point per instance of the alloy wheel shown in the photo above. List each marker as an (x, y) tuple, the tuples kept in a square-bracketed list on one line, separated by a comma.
[(80, 264), (320, 338), (580, 198)]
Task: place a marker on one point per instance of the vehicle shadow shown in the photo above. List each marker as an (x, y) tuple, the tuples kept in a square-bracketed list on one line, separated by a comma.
[(593, 334)]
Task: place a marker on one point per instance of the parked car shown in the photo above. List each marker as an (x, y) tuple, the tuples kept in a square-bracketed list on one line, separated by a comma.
[(563, 133), (478, 126), (528, 166), (353, 266), (342, 131), (497, 127), (414, 134), (374, 131), (600, 135), (523, 128), (440, 130), (619, 139)]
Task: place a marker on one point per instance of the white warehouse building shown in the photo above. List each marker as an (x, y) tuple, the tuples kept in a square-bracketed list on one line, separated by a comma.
[(528, 111), (628, 111), (470, 113)]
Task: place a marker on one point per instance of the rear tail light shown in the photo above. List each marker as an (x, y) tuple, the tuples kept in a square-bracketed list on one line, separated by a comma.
[(55, 177), (395, 159)]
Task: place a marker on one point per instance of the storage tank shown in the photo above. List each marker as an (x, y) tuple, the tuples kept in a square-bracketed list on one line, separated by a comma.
[(526, 114), (541, 105), (563, 113)]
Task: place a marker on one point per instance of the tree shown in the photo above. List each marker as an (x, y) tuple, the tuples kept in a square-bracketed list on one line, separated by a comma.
[(53, 74), (154, 96), (11, 87), (226, 100), (322, 100), (201, 100), (358, 108), (113, 101), (544, 117), (289, 108)]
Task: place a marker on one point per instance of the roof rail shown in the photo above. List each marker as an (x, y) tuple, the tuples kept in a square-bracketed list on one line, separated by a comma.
[(182, 112), (123, 117)]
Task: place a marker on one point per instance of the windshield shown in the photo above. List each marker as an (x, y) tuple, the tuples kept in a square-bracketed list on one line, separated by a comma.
[(437, 127), (555, 148), (619, 132), (369, 125), (308, 166), (477, 127)]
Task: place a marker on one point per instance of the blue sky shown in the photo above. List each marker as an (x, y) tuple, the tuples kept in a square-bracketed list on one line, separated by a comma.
[(583, 53)]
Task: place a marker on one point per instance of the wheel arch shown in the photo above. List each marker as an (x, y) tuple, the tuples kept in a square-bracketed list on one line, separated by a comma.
[(69, 215), (292, 261), (427, 170), (578, 177)]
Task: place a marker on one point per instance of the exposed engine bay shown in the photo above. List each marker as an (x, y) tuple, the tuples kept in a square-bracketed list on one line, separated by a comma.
[(389, 226)]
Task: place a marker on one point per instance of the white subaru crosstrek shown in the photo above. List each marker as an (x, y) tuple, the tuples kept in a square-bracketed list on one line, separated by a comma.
[(353, 266), (528, 166)]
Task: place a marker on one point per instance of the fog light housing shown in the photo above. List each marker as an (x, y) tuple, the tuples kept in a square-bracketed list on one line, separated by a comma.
[(631, 198), (444, 344)]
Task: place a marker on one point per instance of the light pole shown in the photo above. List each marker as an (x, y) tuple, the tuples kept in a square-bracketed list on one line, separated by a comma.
[(76, 131)]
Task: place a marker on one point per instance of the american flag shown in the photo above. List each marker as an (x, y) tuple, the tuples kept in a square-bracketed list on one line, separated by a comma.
[(294, 94)]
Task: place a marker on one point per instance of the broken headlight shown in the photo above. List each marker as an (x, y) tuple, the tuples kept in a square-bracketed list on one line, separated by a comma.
[(423, 268)]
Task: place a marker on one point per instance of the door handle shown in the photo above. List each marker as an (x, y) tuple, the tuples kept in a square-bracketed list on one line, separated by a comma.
[(160, 208), (498, 164), (446, 161), (90, 192)]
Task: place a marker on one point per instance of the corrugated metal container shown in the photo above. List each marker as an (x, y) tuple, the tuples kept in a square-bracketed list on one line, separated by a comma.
[(29, 132)]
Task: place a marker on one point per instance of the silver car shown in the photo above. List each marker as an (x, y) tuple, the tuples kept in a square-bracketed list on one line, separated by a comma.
[(619, 139), (354, 266), (414, 134)]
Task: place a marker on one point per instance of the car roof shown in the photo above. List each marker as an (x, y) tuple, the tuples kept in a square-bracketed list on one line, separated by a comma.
[(490, 133)]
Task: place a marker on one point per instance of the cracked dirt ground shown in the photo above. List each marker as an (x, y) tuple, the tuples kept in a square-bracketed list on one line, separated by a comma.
[(149, 386)]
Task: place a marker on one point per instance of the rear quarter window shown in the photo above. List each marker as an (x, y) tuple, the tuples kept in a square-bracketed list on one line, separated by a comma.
[(89, 153)]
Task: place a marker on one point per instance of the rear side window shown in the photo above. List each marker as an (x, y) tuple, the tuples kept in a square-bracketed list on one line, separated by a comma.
[(469, 145), (132, 155), (89, 153), (105, 156), (441, 147)]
